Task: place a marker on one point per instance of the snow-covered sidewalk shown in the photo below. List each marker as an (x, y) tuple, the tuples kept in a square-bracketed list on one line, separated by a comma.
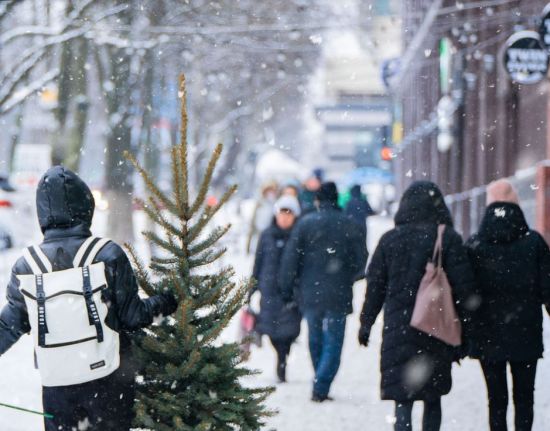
[(356, 389), (357, 404)]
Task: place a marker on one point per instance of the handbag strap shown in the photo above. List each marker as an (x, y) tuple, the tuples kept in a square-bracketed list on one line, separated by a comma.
[(438, 248)]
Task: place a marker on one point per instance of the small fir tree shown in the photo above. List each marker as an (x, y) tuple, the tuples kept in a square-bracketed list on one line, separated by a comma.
[(190, 380)]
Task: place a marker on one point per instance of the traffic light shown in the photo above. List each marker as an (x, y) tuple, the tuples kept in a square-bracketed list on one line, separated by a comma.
[(386, 153)]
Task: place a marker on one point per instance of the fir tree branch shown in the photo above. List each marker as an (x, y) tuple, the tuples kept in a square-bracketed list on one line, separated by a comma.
[(183, 164), (207, 258), (165, 261), (155, 214), (141, 274), (207, 215), (212, 239), (153, 189), (205, 185), (164, 244), (161, 270), (213, 293)]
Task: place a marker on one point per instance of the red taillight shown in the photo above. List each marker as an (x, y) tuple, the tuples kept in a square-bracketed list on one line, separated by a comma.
[(5, 204)]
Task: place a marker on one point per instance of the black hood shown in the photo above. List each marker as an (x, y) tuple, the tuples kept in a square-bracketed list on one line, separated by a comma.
[(423, 202), (328, 192), (503, 222), (355, 191), (63, 200)]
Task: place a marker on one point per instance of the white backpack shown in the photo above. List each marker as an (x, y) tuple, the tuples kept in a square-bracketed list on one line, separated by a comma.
[(72, 342)]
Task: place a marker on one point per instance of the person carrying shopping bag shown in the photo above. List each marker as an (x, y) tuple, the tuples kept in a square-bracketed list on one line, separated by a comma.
[(415, 365)]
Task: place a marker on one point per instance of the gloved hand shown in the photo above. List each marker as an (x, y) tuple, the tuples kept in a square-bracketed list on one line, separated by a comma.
[(363, 337), (168, 303)]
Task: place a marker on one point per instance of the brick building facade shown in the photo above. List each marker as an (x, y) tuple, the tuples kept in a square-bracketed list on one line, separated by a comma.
[(499, 128)]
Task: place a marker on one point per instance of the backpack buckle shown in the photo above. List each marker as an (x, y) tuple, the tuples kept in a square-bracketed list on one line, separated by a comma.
[(40, 297)]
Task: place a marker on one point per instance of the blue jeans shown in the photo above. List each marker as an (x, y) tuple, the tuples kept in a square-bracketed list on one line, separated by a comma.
[(326, 337)]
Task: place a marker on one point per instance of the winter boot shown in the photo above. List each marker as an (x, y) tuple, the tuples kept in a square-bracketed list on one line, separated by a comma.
[(316, 398), (281, 372)]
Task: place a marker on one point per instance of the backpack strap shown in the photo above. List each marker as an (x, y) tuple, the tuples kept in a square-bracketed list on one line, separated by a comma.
[(80, 255), (88, 251), (95, 249), (83, 259), (37, 260), (41, 304), (437, 257), (93, 315)]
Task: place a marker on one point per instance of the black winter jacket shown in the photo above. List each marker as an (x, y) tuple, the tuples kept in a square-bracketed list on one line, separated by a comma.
[(358, 208), (512, 269), (414, 366), (326, 253), (65, 210), (276, 319)]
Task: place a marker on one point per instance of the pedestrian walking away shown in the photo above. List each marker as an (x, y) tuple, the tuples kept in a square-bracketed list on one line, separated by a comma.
[(414, 365), (327, 254), (262, 215), (279, 321), (512, 267), (309, 191), (358, 208), (78, 296)]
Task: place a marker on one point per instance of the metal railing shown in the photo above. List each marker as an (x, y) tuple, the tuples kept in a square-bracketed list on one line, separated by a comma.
[(468, 207)]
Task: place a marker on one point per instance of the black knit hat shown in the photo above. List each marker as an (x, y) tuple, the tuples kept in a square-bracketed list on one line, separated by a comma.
[(327, 193)]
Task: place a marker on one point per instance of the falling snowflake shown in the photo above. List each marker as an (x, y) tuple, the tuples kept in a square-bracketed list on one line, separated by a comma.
[(500, 212)]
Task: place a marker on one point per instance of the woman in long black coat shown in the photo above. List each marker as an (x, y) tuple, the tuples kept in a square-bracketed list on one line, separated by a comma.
[(512, 268), (278, 320), (414, 365)]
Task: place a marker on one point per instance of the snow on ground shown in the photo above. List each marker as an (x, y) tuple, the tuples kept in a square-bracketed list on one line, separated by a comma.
[(356, 388)]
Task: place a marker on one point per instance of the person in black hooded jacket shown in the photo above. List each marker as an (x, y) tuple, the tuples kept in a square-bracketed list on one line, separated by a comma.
[(512, 268), (414, 365), (65, 209), (279, 321)]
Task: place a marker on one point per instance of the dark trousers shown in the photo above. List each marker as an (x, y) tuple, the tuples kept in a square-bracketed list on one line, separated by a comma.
[(326, 338), (282, 347), (103, 405), (523, 378), (431, 420)]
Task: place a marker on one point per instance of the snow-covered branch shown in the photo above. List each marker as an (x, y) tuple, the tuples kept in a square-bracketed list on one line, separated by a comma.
[(31, 57), (23, 93)]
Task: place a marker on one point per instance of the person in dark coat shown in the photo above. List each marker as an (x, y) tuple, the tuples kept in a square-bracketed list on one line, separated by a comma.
[(358, 208), (512, 268), (309, 191), (414, 365), (279, 321), (327, 255), (65, 209)]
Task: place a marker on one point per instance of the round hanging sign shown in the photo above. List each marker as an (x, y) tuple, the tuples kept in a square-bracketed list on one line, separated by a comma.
[(525, 59), (544, 29)]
